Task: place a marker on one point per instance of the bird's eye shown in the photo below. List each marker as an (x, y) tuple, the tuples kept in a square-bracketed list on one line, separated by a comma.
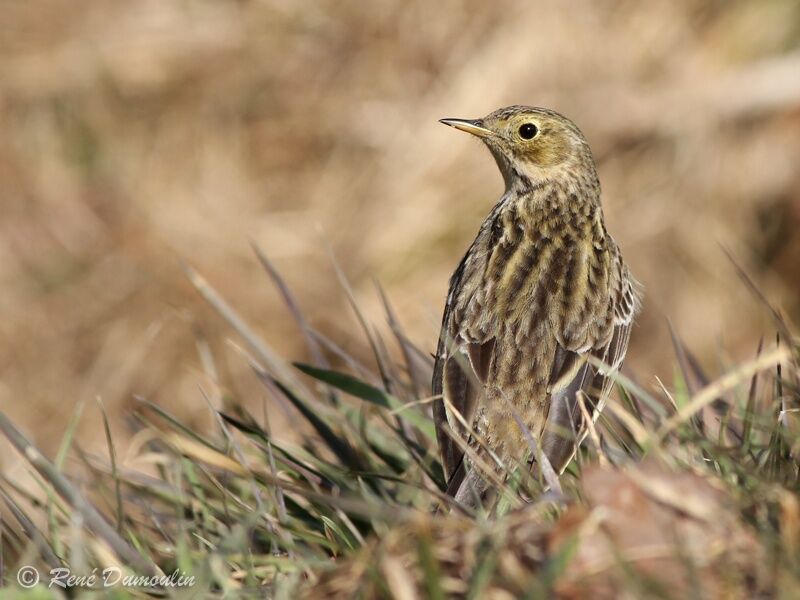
[(528, 131)]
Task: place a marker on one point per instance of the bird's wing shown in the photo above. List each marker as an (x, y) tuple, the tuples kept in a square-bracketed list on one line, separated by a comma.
[(573, 374), (462, 364), (450, 453)]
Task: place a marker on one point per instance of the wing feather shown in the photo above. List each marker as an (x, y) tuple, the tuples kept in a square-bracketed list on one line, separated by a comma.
[(462, 362), (565, 426)]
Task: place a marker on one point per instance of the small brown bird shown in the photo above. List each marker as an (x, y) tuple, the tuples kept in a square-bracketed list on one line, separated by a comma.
[(542, 288)]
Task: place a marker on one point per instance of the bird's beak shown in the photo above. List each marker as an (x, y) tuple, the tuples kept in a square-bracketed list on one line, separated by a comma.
[(473, 126)]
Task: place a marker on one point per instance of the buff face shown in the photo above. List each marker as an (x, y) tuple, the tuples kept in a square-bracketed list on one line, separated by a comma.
[(533, 142), (531, 138)]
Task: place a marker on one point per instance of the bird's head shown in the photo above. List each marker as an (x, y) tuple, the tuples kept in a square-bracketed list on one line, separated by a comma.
[(533, 143)]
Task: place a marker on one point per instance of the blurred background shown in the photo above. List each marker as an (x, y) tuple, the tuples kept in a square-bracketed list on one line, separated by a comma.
[(135, 135)]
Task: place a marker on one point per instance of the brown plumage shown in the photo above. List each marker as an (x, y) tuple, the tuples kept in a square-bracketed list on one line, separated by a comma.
[(542, 287)]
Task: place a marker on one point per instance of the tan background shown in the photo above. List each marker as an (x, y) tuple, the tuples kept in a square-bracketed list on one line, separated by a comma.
[(136, 134)]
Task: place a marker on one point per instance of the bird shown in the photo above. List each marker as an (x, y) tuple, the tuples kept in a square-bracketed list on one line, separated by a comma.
[(542, 289)]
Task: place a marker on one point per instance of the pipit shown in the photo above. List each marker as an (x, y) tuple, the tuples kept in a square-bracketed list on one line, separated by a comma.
[(541, 289)]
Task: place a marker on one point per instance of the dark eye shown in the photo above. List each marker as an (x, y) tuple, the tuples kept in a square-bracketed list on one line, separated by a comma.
[(528, 131)]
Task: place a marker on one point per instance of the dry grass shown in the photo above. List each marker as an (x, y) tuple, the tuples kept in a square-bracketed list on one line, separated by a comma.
[(692, 489)]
